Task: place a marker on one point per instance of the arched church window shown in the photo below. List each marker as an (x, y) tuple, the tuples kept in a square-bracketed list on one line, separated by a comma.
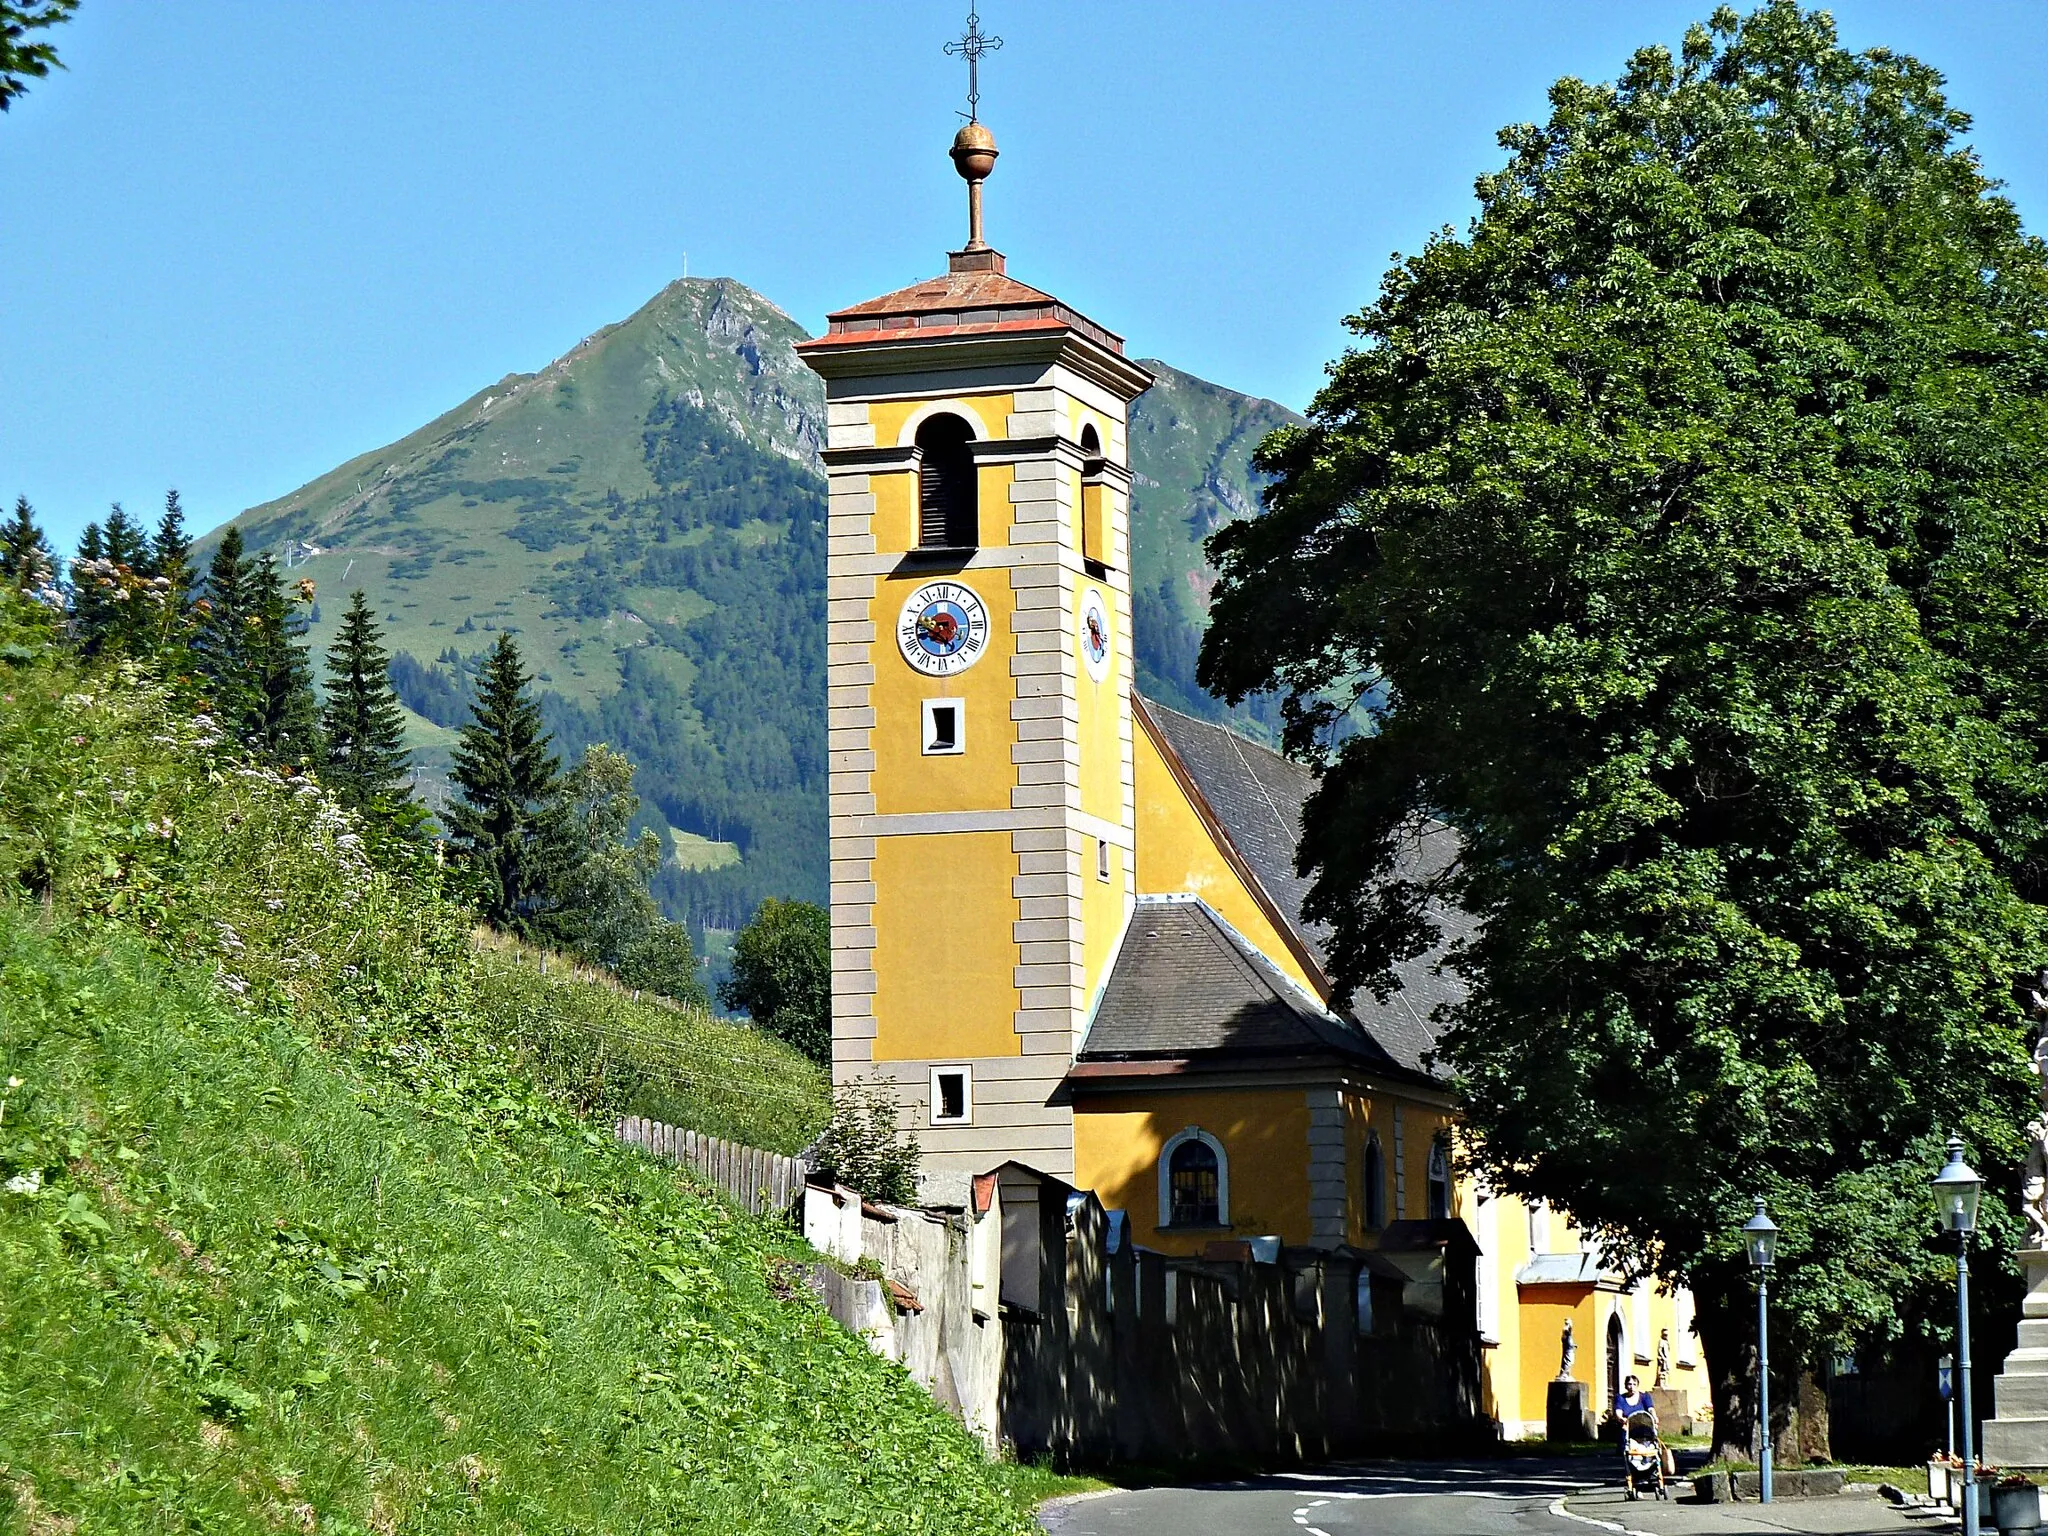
[(1194, 1181), (1094, 530), (1439, 1180), (1375, 1183), (946, 512)]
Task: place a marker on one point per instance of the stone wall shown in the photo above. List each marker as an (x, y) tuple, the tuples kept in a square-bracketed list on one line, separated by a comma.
[(1027, 1316), (1026, 1312), (1254, 1356)]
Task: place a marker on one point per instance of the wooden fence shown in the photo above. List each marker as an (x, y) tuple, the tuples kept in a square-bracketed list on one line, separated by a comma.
[(760, 1181)]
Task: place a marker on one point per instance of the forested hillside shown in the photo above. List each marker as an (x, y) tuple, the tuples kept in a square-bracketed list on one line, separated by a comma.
[(647, 514)]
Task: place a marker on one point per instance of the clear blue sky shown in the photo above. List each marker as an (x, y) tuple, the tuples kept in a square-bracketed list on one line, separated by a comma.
[(244, 240)]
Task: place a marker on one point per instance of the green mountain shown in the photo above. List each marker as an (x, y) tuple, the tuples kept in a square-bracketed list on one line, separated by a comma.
[(647, 514)]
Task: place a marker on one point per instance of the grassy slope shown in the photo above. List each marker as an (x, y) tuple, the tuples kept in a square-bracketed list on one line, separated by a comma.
[(292, 1237), (272, 1292), (686, 1066)]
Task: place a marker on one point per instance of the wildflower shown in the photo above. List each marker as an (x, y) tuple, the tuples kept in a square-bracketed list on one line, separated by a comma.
[(24, 1183), (229, 939), (234, 984), (13, 1083), (305, 587)]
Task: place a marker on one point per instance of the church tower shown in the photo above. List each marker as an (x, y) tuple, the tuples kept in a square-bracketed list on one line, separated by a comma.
[(979, 668)]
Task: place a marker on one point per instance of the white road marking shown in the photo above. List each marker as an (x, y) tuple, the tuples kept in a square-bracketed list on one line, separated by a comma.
[(1557, 1508)]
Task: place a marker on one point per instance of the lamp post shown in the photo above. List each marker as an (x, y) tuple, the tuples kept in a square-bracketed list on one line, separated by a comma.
[(1956, 1189), (1761, 1234)]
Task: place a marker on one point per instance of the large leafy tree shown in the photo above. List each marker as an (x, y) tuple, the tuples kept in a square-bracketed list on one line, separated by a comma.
[(511, 822), (23, 55), (606, 912), (782, 975), (1685, 528), (363, 723)]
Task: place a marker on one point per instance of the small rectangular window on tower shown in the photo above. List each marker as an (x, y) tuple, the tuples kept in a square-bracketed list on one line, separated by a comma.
[(1102, 858), (945, 722), (952, 1095)]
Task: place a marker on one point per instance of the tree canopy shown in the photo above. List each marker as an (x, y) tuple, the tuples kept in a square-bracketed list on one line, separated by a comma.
[(782, 975), (23, 56), (1681, 532)]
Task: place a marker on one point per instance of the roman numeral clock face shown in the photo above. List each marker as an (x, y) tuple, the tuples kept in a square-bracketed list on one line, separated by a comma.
[(944, 629)]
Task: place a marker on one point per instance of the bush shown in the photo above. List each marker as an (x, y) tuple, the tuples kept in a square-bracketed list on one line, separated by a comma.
[(862, 1148)]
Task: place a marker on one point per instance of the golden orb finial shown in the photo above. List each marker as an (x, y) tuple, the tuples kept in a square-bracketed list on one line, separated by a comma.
[(974, 156)]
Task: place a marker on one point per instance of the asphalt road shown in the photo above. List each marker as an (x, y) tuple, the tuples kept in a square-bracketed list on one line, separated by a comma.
[(1534, 1498)]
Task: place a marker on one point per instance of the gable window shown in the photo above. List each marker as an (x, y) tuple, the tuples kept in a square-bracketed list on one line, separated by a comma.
[(1375, 1183), (1439, 1179), (1194, 1181), (947, 516)]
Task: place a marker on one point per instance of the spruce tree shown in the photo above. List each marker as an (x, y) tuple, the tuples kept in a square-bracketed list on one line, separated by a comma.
[(110, 610), (26, 561), (367, 764), (170, 552), (511, 823), (125, 542), (281, 723), (89, 600), (222, 640)]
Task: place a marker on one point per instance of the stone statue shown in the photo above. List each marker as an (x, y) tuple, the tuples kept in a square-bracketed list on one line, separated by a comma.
[(1571, 1353), (1663, 1356), (2034, 1187)]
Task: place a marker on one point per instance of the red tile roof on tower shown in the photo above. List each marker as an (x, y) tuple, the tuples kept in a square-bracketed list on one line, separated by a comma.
[(959, 303)]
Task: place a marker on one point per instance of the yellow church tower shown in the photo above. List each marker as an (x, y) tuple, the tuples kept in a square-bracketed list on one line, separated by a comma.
[(979, 674)]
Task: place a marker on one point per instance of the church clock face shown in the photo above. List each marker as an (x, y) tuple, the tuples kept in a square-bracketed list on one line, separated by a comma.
[(1094, 635), (943, 630)]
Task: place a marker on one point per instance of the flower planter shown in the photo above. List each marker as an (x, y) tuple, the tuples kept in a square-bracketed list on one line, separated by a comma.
[(2016, 1509)]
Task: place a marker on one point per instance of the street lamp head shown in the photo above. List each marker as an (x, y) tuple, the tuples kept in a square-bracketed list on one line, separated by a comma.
[(1761, 1234), (1956, 1189)]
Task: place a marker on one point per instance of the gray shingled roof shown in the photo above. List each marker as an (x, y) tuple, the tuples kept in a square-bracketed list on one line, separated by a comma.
[(1257, 795), (1188, 984)]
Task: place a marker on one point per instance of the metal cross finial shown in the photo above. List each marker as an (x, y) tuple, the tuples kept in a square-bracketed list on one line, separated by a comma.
[(972, 47)]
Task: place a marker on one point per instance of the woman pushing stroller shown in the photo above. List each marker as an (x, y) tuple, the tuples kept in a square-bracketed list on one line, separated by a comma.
[(1642, 1452)]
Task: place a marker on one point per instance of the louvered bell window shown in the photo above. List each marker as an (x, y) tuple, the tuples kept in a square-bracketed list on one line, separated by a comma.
[(946, 513)]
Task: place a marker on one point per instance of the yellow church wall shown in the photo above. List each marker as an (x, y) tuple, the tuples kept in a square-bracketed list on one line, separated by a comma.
[(1542, 1319), (1177, 853), (1102, 748), (1407, 1199), (992, 408), (979, 779), (1264, 1132), (895, 516), (1102, 915), (946, 958)]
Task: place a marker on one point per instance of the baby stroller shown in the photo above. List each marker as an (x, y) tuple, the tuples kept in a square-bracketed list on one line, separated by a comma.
[(1642, 1458)]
